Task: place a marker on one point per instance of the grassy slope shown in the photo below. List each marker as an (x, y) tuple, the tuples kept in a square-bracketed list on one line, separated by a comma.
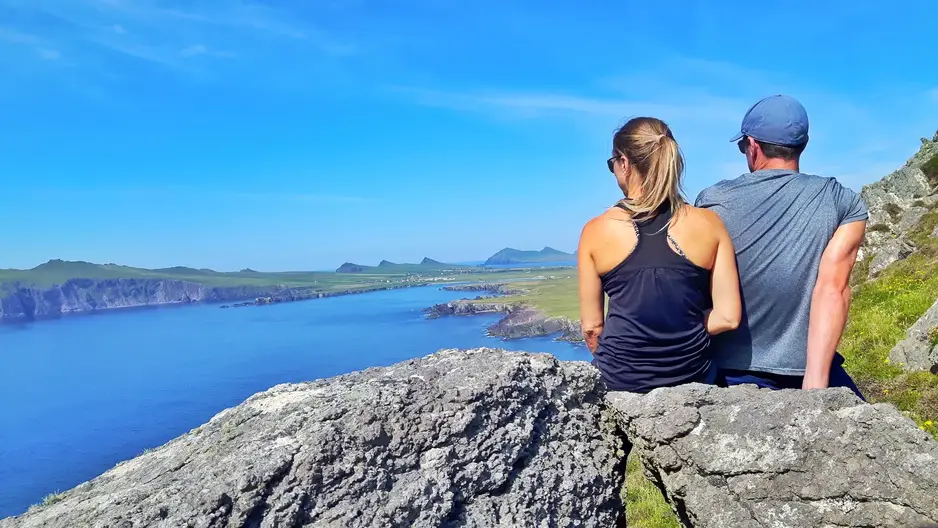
[(880, 313)]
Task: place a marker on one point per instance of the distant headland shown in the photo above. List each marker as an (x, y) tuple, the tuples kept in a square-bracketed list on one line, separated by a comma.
[(517, 256), (59, 287)]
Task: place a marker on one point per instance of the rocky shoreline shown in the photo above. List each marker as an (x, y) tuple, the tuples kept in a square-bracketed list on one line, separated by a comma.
[(520, 320), (305, 294)]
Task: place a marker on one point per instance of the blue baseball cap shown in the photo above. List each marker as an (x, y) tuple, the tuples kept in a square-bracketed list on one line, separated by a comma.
[(777, 119)]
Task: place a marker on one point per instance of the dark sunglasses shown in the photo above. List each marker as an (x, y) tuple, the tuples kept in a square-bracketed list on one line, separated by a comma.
[(611, 164), (743, 144)]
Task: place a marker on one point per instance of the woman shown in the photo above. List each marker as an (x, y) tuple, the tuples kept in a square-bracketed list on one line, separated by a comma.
[(668, 268)]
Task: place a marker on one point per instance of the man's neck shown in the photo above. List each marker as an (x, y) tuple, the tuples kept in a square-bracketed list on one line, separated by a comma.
[(779, 164)]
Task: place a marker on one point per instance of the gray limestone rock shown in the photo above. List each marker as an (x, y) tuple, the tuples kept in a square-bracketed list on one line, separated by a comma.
[(918, 350), (892, 251), (901, 187), (754, 458), (910, 218), (459, 438)]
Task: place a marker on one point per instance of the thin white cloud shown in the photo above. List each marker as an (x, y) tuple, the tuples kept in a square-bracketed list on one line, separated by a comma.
[(92, 33), (17, 37), (201, 49), (200, 194), (545, 104), (49, 54)]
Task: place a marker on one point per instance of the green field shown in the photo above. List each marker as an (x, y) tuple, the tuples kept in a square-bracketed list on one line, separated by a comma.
[(58, 272)]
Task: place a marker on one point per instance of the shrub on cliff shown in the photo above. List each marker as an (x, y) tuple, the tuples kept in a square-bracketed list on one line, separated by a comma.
[(930, 168)]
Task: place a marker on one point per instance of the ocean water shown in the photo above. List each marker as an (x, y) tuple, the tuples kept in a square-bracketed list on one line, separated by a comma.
[(82, 393)]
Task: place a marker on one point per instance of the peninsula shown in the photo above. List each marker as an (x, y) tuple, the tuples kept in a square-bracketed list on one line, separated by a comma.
[(517, 256), (60, 287)]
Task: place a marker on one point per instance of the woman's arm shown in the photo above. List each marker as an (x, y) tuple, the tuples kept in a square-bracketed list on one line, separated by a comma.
[(591, 291), (724, 284)]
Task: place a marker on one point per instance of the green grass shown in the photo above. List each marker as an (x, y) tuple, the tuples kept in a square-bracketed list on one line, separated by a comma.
[(556, 297), (645, 507), (881, 312), (49, 500)]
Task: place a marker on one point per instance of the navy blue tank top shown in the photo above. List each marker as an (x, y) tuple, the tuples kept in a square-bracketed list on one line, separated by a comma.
[(654, 334)]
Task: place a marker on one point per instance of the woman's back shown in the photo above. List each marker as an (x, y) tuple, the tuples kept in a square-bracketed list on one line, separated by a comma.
[(664, 300), (657, 275)]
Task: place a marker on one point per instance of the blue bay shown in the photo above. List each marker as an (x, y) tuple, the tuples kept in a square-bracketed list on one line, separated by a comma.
[(83, 393)]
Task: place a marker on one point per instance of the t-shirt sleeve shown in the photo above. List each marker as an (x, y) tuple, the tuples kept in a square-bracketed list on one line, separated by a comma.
[(850, 205), (703, 200)]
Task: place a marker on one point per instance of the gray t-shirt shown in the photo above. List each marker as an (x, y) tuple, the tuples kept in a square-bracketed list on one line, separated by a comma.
[(780, 222)]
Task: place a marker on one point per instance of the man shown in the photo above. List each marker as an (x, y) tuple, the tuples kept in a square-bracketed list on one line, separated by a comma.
[(796, 237)]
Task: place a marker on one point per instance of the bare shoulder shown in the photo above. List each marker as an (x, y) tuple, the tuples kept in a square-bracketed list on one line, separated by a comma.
[(600, 222)]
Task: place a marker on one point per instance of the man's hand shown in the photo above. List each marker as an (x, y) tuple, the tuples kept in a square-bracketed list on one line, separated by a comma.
[(830, 302)]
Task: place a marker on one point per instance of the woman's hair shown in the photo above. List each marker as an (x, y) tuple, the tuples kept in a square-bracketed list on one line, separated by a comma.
[(650, 147)]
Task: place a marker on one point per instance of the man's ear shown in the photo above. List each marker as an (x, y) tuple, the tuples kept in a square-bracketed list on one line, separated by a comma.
[(754, 149)]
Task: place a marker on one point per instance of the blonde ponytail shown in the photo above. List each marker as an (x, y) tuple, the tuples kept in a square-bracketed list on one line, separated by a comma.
[(654, 155)]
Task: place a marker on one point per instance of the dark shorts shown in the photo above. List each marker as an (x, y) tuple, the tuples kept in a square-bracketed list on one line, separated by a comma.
[(766, 380)]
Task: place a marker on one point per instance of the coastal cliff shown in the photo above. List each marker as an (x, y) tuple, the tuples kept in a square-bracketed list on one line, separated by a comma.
[(488, 437), (89, 295), (520, 320)]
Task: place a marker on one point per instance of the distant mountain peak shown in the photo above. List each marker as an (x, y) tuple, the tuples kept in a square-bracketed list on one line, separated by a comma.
[(350, 267), (429, 261), (515, 256), (386, 263)]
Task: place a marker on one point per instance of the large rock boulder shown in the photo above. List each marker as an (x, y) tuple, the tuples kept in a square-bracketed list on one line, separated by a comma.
[(897, 204), (753, 458), (472, 438), (919, 350)]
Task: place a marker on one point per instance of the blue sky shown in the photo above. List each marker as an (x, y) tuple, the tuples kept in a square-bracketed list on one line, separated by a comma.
[(298, 135)]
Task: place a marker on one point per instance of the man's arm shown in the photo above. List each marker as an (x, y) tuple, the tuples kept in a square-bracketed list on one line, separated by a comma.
[(724, 284), (830, 302), (591, 292)]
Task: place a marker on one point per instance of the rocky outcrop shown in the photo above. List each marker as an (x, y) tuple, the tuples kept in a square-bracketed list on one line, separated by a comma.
[(459, 438), (919, 349), (492, 288), (520, 321), (528, 322), (896, 205), (889, 252), (494, 438), (753, 458), (89, 295), (466, 308)]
